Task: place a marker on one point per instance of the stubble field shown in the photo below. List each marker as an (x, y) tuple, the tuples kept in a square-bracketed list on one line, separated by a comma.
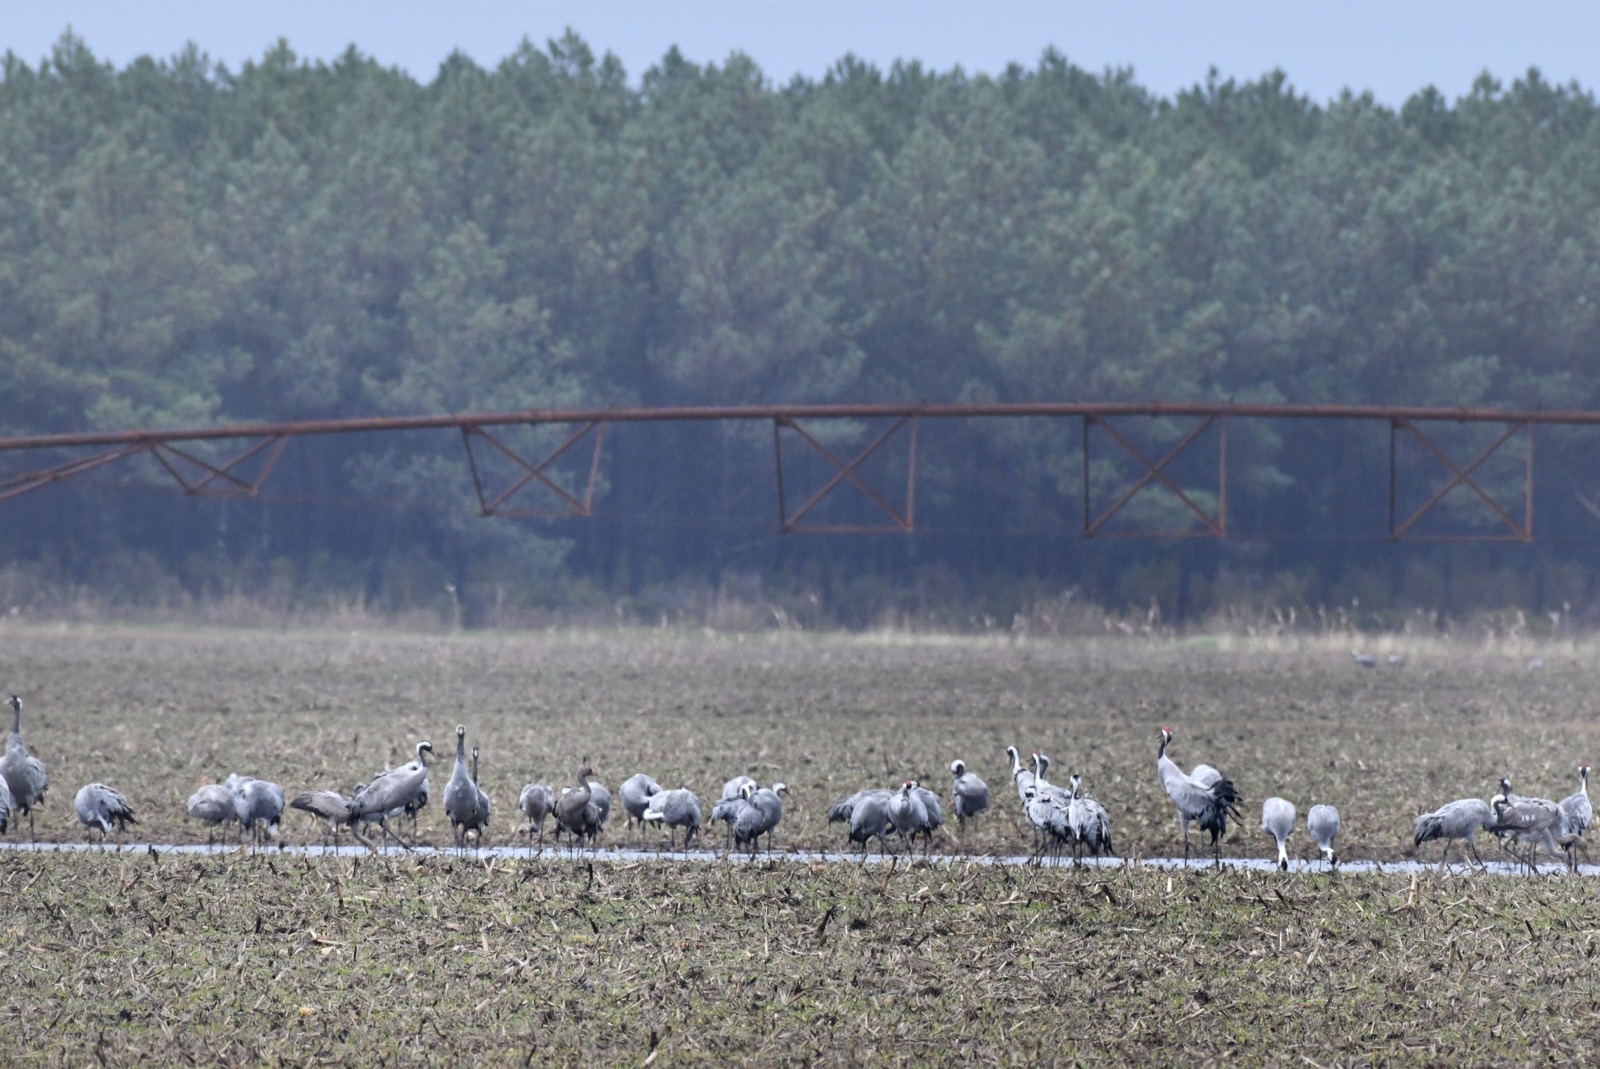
[(277, 959)]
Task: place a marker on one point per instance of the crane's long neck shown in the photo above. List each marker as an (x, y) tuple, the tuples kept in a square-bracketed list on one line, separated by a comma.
[(1583, 781), (422, 755), (1016, 762), (474, 766), (16, 715)]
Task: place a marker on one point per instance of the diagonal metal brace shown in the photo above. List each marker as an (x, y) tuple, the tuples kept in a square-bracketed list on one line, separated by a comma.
[(29, 481), (846, 470), (1216, 526), (496, 506), (1462, 476), (223, 481)]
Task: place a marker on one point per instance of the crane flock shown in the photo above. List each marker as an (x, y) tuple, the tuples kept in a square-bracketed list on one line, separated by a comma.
[(1061, 818)]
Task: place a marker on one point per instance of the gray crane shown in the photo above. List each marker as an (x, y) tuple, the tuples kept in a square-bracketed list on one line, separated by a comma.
[(393, 792), (1021, 778), (731, 789), (1277, 820), (1577, 813), (969, 796), (259, 805), (1046, 807), (1363, 660), (908, 812), (538, 801), (24, 773), (1206, 796), (868, 817), (731, 810), (483, 798), (213, 805), (99, 806), (463, 801), (418, 800), (1453, 821), (674, 809), (576, 811), (331, 806), (1088, 822), (760, 817), (1535, 822), (1322, 824), (636, 792)]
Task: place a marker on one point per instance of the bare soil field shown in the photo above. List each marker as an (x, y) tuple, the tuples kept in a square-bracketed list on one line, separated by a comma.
[(235, 958)]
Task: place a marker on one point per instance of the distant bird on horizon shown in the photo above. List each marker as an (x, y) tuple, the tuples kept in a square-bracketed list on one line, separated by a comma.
[(1363, 660)]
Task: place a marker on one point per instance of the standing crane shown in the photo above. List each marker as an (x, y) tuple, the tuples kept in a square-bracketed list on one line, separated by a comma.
[(677, 808), (636, 792), (212, 805), (1322, 824), (331, 806), (1201, 798), (1458, 820), (1088, 822), (538, 801), (24, 773), (1277, 820), (393, 792), (968, 797), (99, 806), (463, 802), (1577, 814), (259, 805), (576, 810)]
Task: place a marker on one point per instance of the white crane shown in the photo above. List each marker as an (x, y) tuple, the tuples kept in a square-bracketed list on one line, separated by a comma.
[(1206, 797), (674, 809), (968, 797), (213, 805), (1322, 824), (1453, 821), (1363, 660), (538, 801), (24, 773), (1576, 812), (1277, 820), (99, 806), (636, 792)]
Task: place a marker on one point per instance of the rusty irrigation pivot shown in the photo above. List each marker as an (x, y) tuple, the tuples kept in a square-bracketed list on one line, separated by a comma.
[(557, 477)]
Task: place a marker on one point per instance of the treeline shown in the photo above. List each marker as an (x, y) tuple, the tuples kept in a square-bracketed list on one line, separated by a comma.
[(182, 244)]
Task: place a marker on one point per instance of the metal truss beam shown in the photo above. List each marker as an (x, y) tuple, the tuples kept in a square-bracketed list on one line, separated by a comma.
[(1519, 530), (900, 520), (1156, 471)]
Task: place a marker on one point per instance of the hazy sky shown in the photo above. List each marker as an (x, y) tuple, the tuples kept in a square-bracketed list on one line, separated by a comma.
[(1390, 48)]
